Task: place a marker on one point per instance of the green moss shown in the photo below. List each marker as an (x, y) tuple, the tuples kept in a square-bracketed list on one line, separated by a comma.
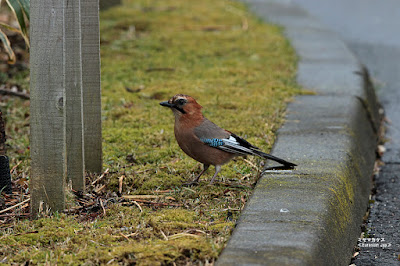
[(343, 200)]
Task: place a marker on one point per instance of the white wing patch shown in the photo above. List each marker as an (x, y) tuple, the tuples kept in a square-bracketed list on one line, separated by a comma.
[(233, 146)]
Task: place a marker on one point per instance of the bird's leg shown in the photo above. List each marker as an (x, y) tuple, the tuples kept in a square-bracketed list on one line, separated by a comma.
[(196, 180), (205, 168), (217, 170)]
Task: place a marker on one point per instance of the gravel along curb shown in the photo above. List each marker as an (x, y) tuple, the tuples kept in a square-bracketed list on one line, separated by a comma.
[(312, 215)]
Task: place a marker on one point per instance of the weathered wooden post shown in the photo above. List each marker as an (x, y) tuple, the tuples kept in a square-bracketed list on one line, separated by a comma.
[(57, 100), (91, 85), (73, 101), (47, 104)]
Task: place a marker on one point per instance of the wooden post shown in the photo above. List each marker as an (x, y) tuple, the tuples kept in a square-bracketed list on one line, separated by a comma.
[(73, 116), (65, 83), (91, 85), (47, 105)]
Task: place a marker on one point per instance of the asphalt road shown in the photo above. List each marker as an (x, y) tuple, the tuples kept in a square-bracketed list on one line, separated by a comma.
[(371, 29)]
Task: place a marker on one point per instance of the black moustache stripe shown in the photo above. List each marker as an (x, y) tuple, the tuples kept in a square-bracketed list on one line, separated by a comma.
[(180, 109)]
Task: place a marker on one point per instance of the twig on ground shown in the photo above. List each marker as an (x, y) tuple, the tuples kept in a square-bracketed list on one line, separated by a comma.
[(163, 234), (163, 191), (102, 206), (134, 197), (252, 164), (245, 176), (132, 234), (127, 236), (182, 235), (22, 95), (97, 190), (124, 236), (120, 181), (15, 167), (138, 205), (16, 205), (196, 231), (101, 176), (14, 215), (159, 203)]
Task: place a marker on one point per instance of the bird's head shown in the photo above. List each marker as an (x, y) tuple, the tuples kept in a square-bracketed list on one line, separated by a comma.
[(183, 105)]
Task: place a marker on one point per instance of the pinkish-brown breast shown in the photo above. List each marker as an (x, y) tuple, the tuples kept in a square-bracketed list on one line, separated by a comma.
[(195, 148)]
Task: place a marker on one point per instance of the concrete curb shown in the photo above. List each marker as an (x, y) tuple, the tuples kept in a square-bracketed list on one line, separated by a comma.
[(312, 215)]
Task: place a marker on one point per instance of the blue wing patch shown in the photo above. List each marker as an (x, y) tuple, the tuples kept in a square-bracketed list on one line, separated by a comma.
[(213, 142)]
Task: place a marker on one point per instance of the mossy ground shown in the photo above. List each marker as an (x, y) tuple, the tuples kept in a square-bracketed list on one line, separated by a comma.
[(238, 68)]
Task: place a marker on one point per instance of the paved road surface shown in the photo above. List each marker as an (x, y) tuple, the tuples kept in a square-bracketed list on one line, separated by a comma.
[(371, 30)]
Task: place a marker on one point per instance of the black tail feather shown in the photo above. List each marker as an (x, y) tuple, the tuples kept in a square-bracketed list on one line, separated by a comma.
[(276, 159)]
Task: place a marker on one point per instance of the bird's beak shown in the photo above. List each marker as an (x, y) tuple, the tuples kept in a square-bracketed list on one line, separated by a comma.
[(166, 104)]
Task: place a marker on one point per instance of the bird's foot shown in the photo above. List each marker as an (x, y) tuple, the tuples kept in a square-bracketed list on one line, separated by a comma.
[(212, 182)]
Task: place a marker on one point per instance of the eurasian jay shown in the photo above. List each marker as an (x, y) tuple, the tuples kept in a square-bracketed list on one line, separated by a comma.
[(206, 142)]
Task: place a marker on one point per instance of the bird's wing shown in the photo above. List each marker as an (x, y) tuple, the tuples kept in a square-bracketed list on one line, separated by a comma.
[(209, 130), (237, 145), (233, 144), (219, 138), (216, 137)]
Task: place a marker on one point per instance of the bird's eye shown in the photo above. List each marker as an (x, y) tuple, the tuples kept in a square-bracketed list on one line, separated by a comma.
[(181, 101)]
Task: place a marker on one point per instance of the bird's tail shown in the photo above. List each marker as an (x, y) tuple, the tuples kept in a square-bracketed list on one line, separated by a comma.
[(276, 159)]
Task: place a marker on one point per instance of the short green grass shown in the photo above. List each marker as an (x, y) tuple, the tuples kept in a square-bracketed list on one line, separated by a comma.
[(243, 78), (239, 69)]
